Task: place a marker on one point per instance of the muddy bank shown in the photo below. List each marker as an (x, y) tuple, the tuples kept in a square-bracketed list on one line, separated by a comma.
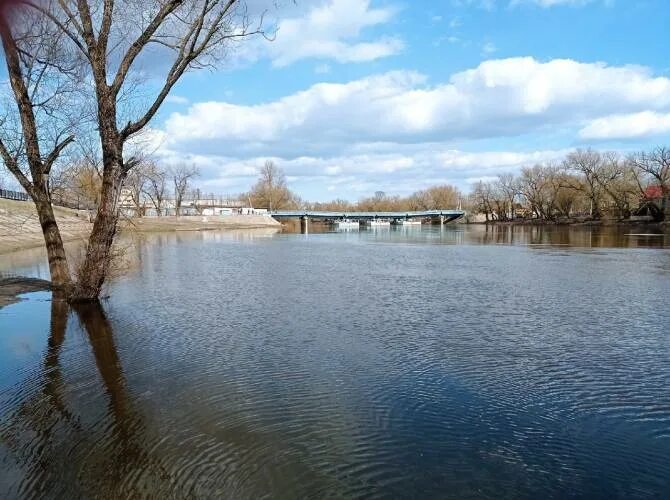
[(12, 287)]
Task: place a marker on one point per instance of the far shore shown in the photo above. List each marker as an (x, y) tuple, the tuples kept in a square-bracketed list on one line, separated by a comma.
[(576, 223), (20, 228), (12, 287)]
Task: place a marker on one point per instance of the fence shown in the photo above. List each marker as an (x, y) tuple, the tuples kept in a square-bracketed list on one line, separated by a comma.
[(13, 195)]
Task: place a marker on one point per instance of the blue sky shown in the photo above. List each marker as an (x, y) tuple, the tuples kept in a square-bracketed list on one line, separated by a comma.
[(356, 96)]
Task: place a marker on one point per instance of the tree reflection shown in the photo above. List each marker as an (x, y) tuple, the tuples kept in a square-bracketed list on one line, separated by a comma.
[(55, 440)]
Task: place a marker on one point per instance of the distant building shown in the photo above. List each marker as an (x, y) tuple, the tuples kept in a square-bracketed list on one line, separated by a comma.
[(653, 205), (189, 206)]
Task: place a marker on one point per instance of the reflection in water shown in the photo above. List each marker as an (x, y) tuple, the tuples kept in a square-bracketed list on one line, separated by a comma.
[(48, 442), (437, 362), (507, 234)]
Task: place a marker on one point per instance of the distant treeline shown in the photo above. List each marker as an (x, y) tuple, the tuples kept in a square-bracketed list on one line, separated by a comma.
[(586, 184), (435, 197), (271, 192)]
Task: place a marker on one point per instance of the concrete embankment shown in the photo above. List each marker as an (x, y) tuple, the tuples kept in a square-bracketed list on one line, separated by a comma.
[(20, 228), (199, 223)]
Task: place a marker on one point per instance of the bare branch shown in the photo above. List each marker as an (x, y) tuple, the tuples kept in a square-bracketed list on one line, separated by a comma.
[(141, 42), (55, 153)]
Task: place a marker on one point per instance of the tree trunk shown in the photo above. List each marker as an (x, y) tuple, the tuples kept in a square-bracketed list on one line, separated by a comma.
[(58, 267), (92, 274)]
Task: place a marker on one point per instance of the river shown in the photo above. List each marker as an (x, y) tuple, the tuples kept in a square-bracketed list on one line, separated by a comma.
[(454, 362)]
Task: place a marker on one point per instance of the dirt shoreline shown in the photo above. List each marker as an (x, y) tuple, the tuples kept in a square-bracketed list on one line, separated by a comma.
[(12, 287)]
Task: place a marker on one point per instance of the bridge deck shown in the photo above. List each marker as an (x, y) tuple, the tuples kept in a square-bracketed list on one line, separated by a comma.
[(449, 214)]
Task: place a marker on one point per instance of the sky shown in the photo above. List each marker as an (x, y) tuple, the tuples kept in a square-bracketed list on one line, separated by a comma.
[(357, 96)]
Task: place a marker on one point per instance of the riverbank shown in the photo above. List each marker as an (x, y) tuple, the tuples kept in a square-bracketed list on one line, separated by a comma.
[(579, 223), (20, 228), (198, 223), (12, 287)]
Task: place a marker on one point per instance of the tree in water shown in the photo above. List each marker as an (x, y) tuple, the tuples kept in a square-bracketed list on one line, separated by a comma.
[(99, 44)]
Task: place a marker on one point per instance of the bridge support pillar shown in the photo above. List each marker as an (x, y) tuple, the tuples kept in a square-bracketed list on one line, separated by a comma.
[(304, 225), (441, 220)]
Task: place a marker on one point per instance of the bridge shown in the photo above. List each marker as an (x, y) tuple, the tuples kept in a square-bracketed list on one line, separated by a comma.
[(305, 215)]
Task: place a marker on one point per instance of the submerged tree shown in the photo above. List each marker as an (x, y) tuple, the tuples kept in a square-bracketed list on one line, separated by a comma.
[(107, 41)]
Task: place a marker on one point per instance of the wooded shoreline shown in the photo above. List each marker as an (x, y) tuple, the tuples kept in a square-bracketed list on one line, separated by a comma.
[(576, 223)]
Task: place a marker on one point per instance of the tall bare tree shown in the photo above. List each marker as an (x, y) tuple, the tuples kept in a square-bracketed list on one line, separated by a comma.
[(36, 129), (135, 186), (655, 165), (590, 165), (155, 186), (271, 190), (181, 175), (481, 197), (508, 187), (112, 39)]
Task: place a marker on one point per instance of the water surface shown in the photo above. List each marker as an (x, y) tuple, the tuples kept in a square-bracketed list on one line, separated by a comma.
[(434, 362)]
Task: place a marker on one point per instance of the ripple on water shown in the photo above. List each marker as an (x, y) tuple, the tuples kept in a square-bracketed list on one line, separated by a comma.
[(319, 367)]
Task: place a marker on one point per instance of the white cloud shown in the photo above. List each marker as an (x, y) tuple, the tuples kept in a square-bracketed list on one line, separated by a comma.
[(627, 126), (498, 98), (396, 169), (398, 133), (331, 30)]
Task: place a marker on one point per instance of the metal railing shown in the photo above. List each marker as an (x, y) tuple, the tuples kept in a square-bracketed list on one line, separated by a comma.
[(13, 195)]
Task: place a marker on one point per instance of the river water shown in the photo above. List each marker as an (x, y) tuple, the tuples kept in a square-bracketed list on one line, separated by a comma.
[(418, 363)]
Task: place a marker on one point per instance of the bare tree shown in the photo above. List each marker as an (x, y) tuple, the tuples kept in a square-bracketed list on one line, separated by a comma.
[(508, 187), (110, 39), (433, 198), (155, 186), (590, 165), (617, 179), (655, 165), (181, 176), (271, 190), (135, 186), (41, 75), (482, 199)]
